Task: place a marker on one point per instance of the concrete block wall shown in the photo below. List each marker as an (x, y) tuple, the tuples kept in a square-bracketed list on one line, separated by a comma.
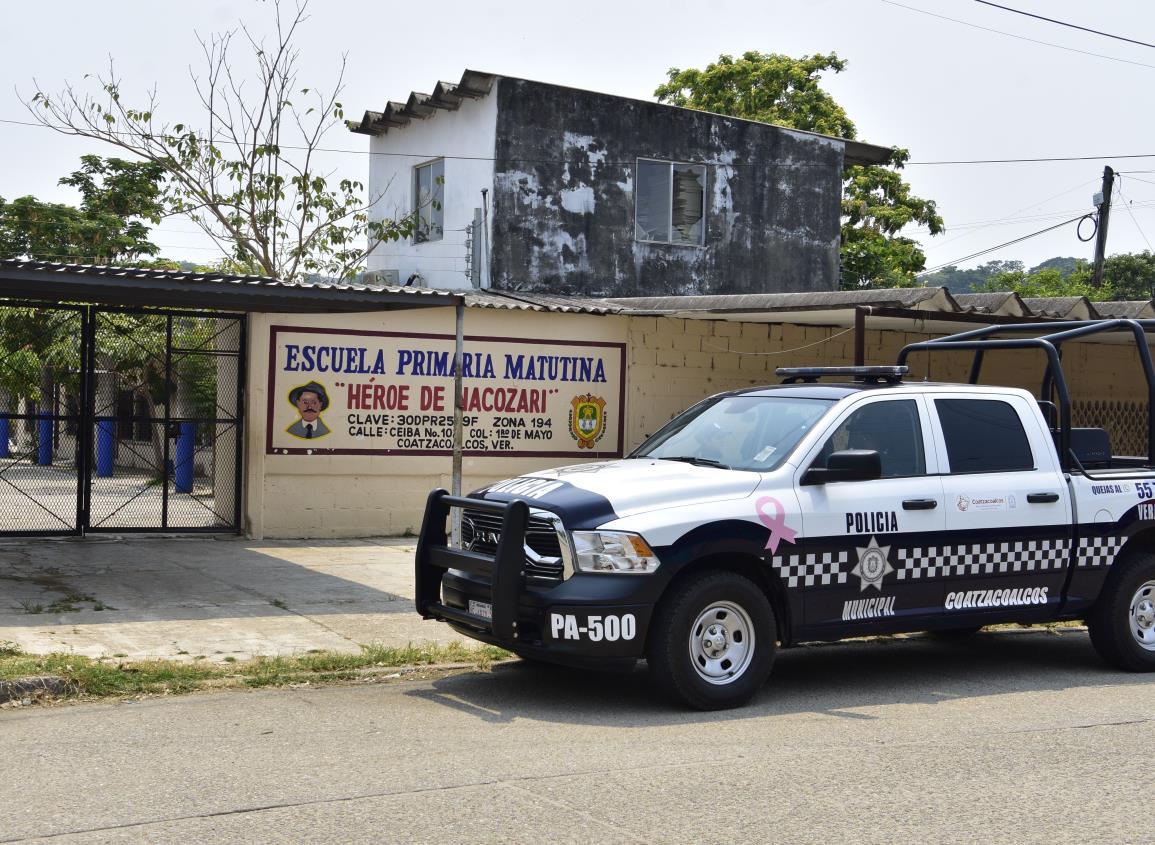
[(670, 364), (675, 362)]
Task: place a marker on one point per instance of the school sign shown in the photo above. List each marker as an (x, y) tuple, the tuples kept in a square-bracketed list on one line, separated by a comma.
[(334, 391)]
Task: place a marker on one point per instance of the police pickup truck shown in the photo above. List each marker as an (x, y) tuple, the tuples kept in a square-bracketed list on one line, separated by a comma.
[(811, 511)]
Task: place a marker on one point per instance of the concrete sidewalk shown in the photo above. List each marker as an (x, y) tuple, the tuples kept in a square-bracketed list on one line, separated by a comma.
[(213, 597)]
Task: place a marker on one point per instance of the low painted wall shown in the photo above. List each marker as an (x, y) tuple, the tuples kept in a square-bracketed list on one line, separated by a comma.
[(347, 484)]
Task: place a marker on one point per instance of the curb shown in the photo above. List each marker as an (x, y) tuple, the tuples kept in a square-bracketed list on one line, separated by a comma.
[(52, 685)]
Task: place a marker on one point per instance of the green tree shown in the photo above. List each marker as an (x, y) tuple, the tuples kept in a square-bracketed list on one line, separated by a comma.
[(876, 202), (1051, 282), (246, 169), (118, 199), (1131, 275)]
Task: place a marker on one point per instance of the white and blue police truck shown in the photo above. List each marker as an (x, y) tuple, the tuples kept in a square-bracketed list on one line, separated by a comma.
[(814, 511)]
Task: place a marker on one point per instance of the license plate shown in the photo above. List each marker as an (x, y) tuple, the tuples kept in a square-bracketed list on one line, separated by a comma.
[(481, 608)]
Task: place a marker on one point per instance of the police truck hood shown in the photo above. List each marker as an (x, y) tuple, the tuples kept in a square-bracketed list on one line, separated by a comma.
[(588, 495)]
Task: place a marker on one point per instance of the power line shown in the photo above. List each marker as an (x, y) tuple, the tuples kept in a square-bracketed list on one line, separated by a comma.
[(999, 246), (428, 155), (1031, 160), (1020, 37), (1127, 205), (1064, 23)]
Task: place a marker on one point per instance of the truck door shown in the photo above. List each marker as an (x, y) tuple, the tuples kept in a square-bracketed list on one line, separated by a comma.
[(1008, 510), (858, 534)]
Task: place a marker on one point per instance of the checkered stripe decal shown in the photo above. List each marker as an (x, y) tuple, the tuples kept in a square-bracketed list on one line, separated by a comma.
[(808, 570), (917, 563), (1097, 551)]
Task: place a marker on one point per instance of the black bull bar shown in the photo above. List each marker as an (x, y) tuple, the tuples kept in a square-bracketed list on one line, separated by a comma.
[(504, 570)]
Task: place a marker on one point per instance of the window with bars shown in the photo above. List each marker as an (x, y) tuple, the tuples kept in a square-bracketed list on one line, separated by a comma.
[(670, 202), (428, 190)]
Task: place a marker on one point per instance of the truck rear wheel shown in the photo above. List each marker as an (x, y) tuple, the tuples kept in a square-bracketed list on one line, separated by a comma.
[(712, 642), (1122, 624)]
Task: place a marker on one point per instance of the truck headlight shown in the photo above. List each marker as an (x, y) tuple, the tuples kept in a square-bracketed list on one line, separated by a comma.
[(613, 551)]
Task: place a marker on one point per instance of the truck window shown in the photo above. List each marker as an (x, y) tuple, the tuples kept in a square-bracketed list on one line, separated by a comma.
[(983, 435), (890, 428), (746, 432)]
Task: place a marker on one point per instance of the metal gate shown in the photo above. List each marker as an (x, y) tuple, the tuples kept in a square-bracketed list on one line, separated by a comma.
[(119, 420)]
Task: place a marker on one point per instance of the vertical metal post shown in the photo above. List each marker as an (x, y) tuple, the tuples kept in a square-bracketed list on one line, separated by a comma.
[(87, 412), (1101, 234), (239, 422), (167, 420), (458, 407), (860, 312), (485, 278)]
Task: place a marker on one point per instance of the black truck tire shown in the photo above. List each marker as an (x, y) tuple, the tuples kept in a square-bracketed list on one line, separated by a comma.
[(1122, 623), (713, 640)]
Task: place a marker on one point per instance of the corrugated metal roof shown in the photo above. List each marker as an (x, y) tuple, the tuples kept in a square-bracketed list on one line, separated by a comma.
[(137, 286), (1006, 303), (446, 95), (921, 298), (1061, 307), (1142, 309), (517, 301)]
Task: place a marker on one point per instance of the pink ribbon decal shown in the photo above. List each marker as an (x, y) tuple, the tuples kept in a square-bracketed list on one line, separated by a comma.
[(779, 531)]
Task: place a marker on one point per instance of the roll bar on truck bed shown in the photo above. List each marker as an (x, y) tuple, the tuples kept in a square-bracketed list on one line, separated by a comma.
[(1049, 338)]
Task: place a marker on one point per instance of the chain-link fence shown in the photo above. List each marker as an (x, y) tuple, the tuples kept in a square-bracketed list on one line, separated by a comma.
[(119, 420)]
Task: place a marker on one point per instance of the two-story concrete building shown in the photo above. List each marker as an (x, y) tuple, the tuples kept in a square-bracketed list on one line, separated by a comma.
[(527, 186)]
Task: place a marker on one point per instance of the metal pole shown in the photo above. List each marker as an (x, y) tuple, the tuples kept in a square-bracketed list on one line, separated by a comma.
[(860, 312), (1101, 235), (485, 279), (458, 428)]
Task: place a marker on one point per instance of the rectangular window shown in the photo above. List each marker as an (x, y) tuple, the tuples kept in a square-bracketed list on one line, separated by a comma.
[(428, 191), (983, 435), (670, 202), (890, 428)]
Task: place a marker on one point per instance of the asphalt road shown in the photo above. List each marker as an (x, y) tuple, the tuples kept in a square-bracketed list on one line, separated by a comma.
[(1018, 737)]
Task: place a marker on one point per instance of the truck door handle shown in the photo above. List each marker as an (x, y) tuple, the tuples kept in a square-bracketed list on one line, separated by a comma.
[(1042, 498), (919, 504)]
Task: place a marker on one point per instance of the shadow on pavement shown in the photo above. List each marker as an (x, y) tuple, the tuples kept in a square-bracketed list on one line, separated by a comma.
[(96, 580), (838, 679)]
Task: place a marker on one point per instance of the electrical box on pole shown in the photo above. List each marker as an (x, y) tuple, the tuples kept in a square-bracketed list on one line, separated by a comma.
[(1102, 200)]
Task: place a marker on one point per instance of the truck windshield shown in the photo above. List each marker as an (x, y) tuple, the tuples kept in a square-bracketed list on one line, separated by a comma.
[(753, 433)]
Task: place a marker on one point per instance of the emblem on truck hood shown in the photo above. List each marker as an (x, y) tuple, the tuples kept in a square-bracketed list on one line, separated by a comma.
[(873, 565)]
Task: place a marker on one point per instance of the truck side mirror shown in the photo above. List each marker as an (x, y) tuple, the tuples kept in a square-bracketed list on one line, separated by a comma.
[(846, 465)]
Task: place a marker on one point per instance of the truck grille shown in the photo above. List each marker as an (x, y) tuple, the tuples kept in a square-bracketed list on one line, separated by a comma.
[(481, 532)]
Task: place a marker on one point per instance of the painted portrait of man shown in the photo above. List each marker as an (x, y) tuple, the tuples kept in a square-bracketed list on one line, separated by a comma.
[(310, 400)]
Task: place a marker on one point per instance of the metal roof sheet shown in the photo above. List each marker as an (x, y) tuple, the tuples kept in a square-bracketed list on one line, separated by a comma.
[(27, 279), (914, 298)]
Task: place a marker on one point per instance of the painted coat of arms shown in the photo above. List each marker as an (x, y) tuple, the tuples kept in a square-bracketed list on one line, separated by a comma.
[(587, 420)]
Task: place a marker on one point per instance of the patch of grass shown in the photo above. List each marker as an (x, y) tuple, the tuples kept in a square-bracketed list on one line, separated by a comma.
[(98, 678), (32, 607), (279, 603)]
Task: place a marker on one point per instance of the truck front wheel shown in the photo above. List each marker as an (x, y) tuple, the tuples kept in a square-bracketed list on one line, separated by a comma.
[(1122, 625), (712, 642)]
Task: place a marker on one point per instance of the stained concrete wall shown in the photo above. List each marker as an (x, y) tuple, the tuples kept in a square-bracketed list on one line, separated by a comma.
[(564, 198)]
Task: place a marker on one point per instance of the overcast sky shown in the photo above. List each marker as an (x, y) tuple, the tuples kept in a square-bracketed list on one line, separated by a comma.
[(945, 89)]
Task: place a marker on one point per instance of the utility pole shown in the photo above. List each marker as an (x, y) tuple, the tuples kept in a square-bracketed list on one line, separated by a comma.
[(1104, 202)]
